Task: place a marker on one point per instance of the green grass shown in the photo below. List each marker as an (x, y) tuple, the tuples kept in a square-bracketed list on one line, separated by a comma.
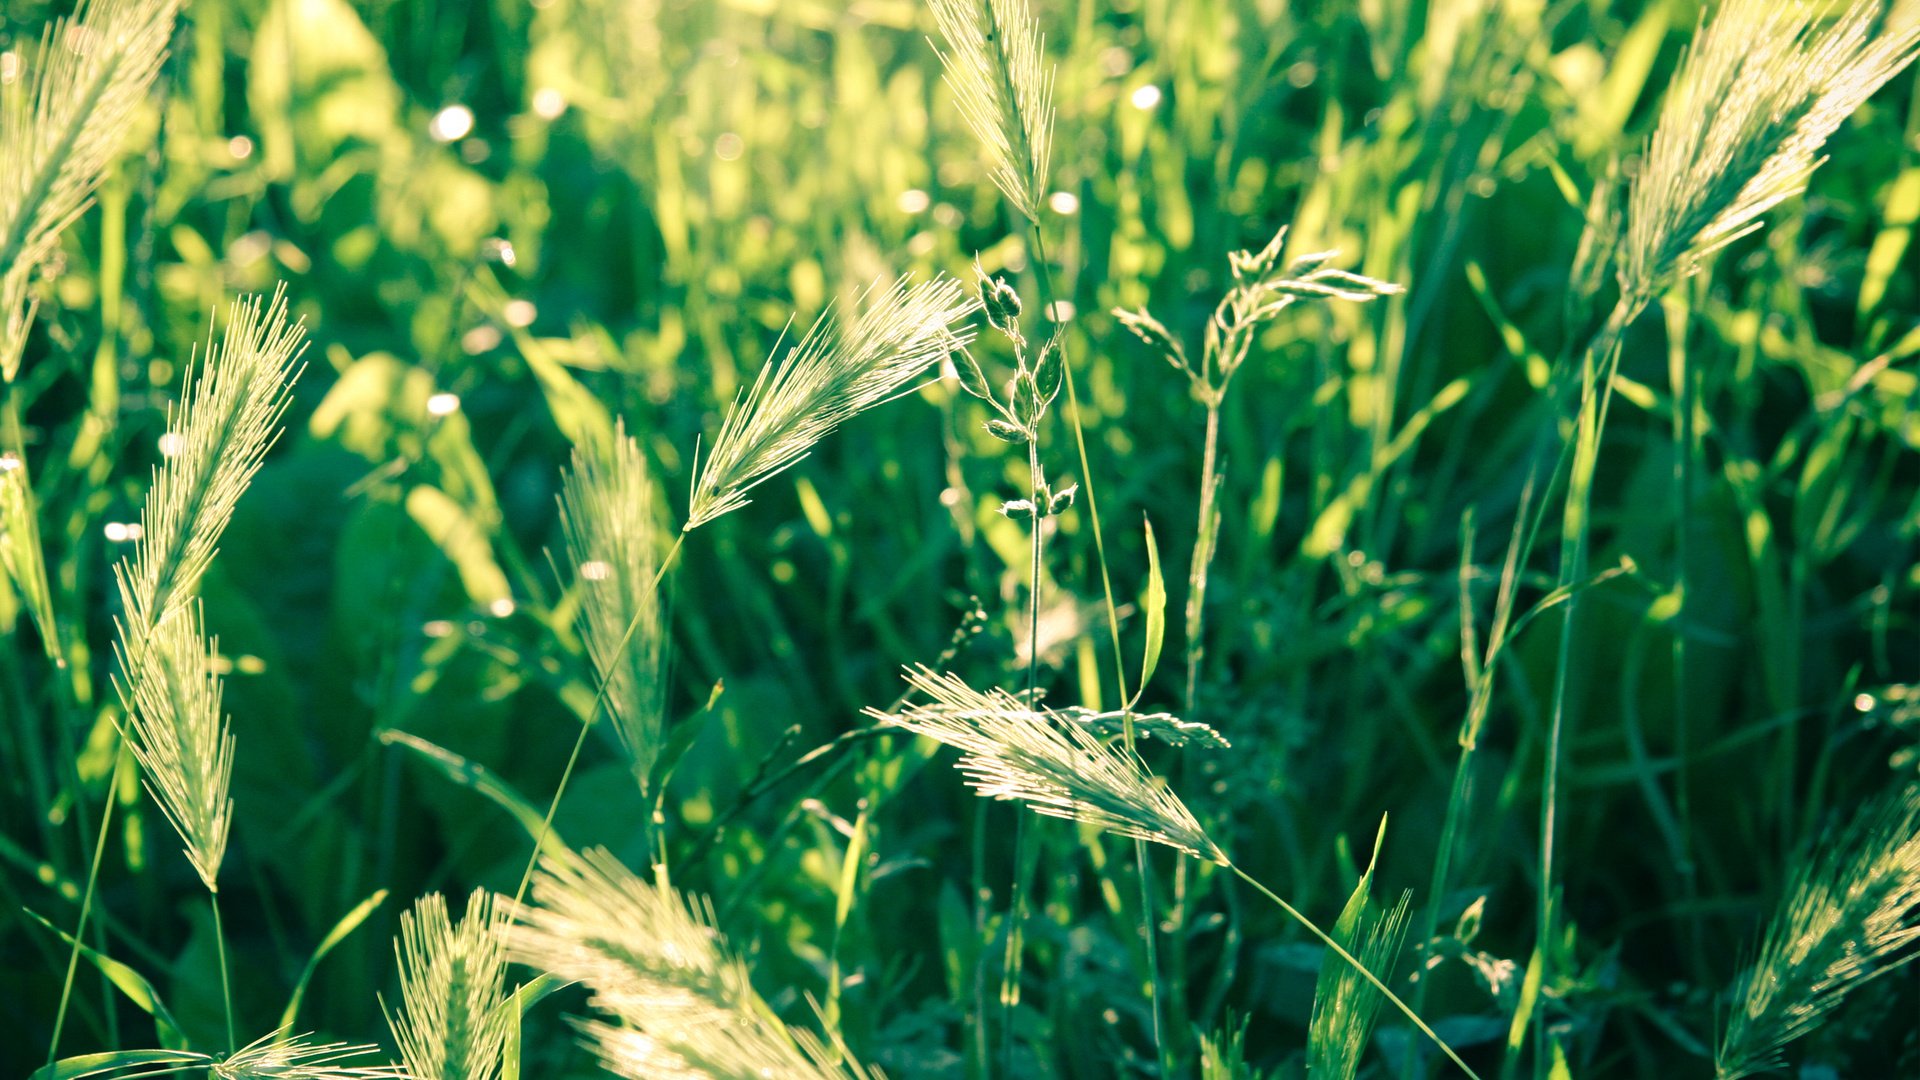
[(1582, 570)]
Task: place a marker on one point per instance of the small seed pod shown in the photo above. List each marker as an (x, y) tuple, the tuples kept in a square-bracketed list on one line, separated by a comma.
[(1001, 429), (972, 379), (1018, 508), (1047, 374), (1062, 499), (1001, 301), (1148, 329), (1024, 399)]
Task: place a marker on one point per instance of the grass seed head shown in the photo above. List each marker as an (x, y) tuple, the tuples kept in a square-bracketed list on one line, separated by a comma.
[(1055, 766), (840, 369)]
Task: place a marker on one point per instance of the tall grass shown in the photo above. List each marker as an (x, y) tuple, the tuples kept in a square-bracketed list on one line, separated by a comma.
[(542, 247)]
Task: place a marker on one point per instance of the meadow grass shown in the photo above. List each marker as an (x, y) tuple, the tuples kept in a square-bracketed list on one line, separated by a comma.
[(1564, 512)]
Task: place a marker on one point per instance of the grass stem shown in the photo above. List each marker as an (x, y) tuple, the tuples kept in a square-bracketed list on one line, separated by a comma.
[(86, 902), (220, 947)]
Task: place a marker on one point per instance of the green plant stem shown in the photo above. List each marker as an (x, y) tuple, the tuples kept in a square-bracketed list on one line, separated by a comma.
[(573, 758), (1680, 379), (1087, 487), (1141, 865), (1023, 837), (1598, 365), (1204, 535), (86, 902), (220, 947), (1527, 523), (1341, 951)]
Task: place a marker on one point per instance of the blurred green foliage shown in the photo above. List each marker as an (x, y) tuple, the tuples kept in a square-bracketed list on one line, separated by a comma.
[(676, 181)]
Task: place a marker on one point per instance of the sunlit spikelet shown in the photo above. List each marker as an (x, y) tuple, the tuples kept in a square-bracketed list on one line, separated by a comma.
[(279, 1057), (1852, 913), (1059, 768), (994, 64), (609, 516), (228, 417), (171, 691), (655, 961), (59, 128), (838, 370), (452, 982), (1763, 86), (21, 560)]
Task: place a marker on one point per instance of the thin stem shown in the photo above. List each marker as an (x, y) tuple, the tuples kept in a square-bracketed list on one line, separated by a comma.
[(1527, 523), (1141, 864), (86, 902), (1680, 380), (1202, 552), (1086, 486), (606, 685), (220, 947), (1354, 961), (1597, 368), (1022, 837)]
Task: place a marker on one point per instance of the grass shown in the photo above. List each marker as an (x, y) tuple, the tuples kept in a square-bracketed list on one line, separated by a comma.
[(1561, 510)]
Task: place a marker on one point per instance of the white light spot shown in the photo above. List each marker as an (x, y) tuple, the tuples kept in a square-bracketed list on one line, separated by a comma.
[(437, 628), (549, 103), (1061, 311), (520, 313), (729, 146), (482, 338), (1146, 97), (596, 570), (9, 461), (443, 404), (240, 147), (120, 532), (500, 250), (1864, 702), (914, 201), (172, 443), (500, 608), (1064, 202), (450, 123), (9, 67)]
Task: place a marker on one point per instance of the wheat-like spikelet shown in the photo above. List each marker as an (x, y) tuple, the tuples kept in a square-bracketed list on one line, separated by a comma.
[(171, 690), (838, 370), (1345, 1004), (452, 982), (1759, 92), (59, 129), (993, 63), (228, 416), (1055, 766), (20, 558), (297, 1057), (609, 516), (1852, 913), (656, 962)]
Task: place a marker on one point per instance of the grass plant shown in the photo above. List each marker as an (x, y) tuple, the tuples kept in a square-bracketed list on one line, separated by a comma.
[(574, 274)]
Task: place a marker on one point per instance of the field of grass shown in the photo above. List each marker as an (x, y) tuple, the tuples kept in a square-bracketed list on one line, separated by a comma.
[(1422, 496)]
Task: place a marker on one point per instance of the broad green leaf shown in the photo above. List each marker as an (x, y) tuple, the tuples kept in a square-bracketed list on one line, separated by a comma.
[(117, 1062), (473, 775), (348, 924), (1155, 606), (131, 983), (464, 542)]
